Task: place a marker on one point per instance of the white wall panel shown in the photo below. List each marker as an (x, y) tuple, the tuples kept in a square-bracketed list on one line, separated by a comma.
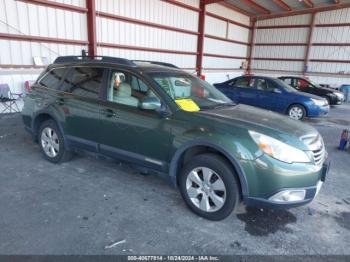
[(278, 65), (28, 19), (152, 11), (213, 46), (112, 31), (281, 35), (21, 52), (335, 16), (216, 27), (183, 61), (291, 20), (80, 3), (332, 34), (330, 52), (280, 51), (214, 62), (194, 3), (329, 67), (217, 77), (228, 13), (238, 33)]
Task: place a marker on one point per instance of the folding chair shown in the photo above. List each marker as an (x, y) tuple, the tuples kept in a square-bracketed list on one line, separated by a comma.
[(8, 100)]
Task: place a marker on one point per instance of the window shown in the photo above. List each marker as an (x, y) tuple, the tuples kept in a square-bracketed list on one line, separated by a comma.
[(53, 78), (192, 90), (84, 81), (263, 84), (127, 89), (288, 81), (244, 82)]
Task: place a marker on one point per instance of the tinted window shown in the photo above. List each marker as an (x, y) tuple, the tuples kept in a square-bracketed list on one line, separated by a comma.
[(243, 82), (84, 81), (53, 78)]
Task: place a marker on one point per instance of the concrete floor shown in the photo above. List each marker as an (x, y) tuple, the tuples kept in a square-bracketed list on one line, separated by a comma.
[(87, 204)]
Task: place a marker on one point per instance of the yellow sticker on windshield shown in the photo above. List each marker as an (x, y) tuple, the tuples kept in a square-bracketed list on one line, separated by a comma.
[(187, 105)]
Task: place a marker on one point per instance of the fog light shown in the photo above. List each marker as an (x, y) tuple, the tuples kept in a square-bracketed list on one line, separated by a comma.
[(289, 196)]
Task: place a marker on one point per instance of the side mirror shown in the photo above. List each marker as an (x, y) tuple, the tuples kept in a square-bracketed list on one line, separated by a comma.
[(150, 103)]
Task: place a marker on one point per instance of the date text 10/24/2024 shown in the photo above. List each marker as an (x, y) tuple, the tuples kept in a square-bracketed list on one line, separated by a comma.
[(173, 258)]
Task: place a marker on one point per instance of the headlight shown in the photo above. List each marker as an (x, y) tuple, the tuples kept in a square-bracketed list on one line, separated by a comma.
[(319, 102), (278, 149), (339, 95)]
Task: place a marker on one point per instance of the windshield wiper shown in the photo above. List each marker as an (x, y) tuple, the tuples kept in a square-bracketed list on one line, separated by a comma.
[(218, 106)]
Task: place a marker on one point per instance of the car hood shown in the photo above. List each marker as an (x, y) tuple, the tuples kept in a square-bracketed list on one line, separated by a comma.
[(306, 95), (263, 121)]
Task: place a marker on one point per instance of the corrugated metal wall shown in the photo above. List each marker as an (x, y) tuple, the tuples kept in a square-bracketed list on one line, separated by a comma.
[(25, 19), (331, 72), (223, 29)]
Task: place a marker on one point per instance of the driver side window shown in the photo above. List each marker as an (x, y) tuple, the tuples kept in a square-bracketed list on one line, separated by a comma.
[(127, 89)]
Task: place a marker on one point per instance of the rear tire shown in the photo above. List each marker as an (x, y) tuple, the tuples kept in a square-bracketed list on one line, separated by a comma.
[(209, 186), (51, 143), (296, 112)]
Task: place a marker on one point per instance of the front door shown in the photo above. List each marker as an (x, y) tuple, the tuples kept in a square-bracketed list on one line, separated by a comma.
[(129, 132)]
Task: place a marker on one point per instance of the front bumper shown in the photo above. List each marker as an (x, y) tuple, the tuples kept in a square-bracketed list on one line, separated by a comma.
[(310, 193), (316, 111)]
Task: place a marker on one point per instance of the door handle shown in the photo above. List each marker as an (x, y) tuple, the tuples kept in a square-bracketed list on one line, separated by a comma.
[(110, 113)]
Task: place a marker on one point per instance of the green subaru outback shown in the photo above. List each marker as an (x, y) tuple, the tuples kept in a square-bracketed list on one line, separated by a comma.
[(160, 118)]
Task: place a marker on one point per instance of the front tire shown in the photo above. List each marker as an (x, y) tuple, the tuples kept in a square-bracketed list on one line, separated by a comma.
[(296, 112), (209, 186), (52, 143)]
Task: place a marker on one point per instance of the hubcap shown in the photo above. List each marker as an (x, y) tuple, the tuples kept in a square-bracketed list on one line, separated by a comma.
[(296, 113), (206, 189), (49, 142)]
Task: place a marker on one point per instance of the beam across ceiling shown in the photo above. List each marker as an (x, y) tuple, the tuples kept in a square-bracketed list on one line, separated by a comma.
[(305, 11), (256, 6), (309, 3), (282, 4), (235, 8)]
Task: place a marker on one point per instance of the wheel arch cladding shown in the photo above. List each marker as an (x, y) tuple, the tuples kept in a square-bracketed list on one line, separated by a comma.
[(197, 147), (40, 118)]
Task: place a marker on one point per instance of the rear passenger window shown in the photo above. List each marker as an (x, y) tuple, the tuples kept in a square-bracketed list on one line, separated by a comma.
[(53, 78), (244, 83), (84, 81)]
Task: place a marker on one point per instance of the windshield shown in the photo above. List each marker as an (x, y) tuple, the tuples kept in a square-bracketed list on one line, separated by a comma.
[(285, 86), (190, 93), (314, 83)]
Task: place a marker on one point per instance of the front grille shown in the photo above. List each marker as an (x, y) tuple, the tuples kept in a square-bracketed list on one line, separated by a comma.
[(316, 145)]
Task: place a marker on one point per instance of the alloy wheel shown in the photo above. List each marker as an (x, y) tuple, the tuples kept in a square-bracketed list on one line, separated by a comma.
[(50, 142), (296, 113), (206, 189)]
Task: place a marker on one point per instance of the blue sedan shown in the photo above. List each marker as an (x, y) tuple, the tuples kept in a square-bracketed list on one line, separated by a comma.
[(273, 94)]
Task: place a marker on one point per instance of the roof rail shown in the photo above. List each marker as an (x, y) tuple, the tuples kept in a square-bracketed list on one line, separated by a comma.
[(156, 63), (91, 59)]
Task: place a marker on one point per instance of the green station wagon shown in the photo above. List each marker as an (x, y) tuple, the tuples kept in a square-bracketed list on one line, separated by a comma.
[(166, 121)]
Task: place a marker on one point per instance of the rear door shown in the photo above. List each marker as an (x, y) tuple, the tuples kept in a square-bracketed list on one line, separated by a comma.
[(80, 103), (247, 92), (270, 96)]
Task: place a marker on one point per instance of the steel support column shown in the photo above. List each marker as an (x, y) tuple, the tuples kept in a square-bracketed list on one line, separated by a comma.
[(251, 46), (91, 27), (200, 39), (309, 42)]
